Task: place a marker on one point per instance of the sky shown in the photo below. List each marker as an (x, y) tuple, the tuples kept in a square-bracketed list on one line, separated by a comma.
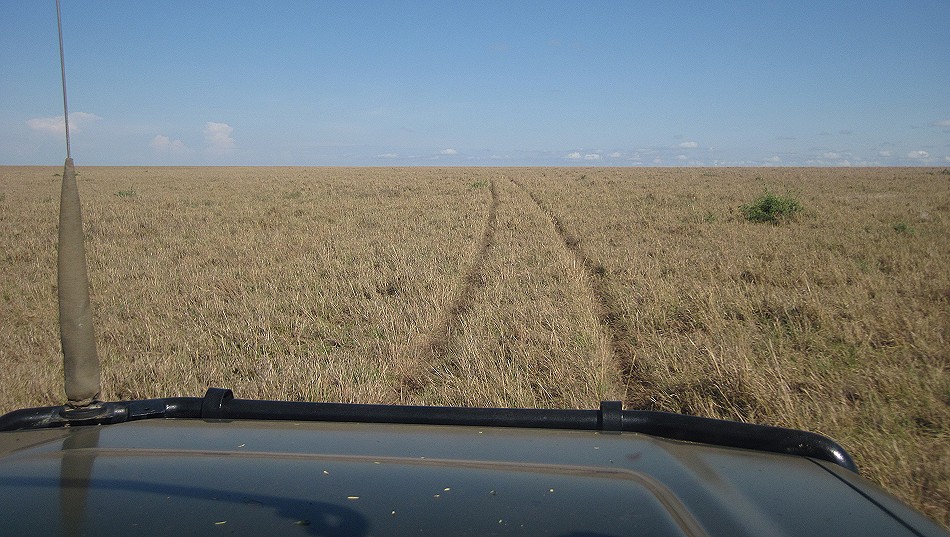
[(731, 83)]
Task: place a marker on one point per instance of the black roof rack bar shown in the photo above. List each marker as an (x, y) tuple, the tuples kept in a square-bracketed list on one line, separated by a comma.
[(220, 404)]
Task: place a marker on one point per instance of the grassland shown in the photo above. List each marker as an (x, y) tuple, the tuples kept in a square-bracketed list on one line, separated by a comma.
[(534, 287)]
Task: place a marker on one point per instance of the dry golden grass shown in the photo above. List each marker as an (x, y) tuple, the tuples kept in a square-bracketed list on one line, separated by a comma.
[(534, 287)]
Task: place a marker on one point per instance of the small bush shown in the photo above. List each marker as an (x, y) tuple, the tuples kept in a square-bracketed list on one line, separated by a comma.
[(903, 228), (771, 208), (130, 193)]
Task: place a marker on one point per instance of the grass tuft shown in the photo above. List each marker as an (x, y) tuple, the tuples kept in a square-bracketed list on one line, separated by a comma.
[(771, 208), (903, 228)]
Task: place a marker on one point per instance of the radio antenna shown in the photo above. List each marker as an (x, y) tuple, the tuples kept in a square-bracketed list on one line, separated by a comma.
[(80, 360), (62, 68)]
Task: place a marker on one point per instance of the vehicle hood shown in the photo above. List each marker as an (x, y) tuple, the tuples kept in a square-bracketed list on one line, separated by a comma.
[(184, 477)]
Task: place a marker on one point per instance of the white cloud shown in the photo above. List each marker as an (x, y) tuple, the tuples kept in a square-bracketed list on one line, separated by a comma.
[(56, 125), (884, 153), (830, 155), (388, 155), (918, 155), (774, 159), (448, 152), (160, 142), (164, 144), (681, 157), (688, 145), (50, 125), (945, 123), (218, 137), (615, 154), (577, 155)]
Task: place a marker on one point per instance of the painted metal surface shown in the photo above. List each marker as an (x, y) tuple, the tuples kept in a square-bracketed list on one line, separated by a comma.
[(187, 477)]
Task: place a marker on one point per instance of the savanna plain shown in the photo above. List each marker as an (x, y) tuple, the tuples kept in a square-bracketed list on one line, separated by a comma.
[(512, 287)]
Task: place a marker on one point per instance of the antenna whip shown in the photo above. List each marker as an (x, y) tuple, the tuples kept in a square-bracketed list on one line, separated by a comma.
[(62, 68)]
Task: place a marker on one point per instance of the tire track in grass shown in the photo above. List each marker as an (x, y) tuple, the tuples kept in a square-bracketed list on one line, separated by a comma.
[(434, 350), (637, 383)]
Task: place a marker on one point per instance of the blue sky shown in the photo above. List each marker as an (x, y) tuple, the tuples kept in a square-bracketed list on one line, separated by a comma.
[(482, 83)]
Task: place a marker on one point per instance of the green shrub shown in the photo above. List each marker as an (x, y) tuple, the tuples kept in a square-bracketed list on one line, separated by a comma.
[(130, 193), (771, 208), (903, 228)]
